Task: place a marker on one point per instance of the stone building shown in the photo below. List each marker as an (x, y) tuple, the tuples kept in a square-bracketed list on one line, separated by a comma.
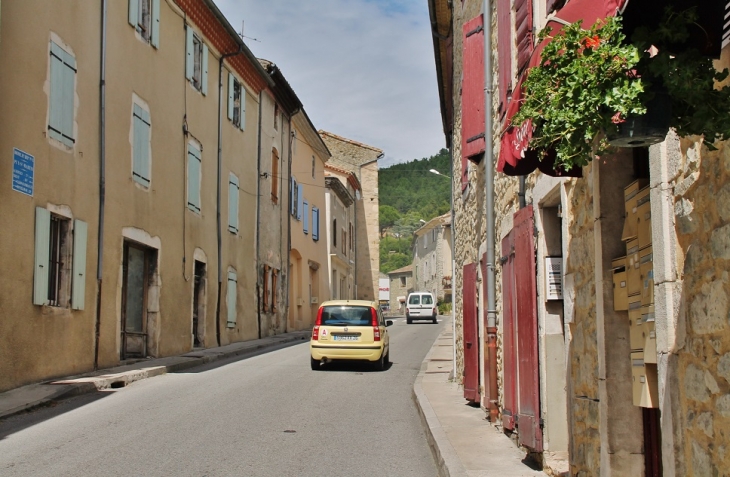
[(361, 160), (401, 284), (624, 379), (432, 257), (341, 190)]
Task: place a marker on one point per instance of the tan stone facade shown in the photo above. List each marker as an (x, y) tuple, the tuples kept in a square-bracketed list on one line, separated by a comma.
[(588, 357)]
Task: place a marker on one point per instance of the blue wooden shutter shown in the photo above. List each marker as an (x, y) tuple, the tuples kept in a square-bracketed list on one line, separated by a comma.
[(194, 170), (231, 299), (79, 265), (141, 152), (42, 255), (190, 57), (315, 223), (69, 78), (155, 39), (233, 203), (305, 222), (204, 74), (300, 199), (61, 102), (230, 96), (133, 12)]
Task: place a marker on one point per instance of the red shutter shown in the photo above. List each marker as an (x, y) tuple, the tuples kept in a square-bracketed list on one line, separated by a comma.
[(472, 91), (523, 32), (508, 332), (504, 51), (471, 333), (528, 373)]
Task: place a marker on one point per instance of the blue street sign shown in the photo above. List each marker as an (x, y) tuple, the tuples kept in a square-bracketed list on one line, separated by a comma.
[(23, 172)]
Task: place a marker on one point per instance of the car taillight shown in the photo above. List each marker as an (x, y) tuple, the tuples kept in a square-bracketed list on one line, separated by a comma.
[(317, 324), (376, 327)]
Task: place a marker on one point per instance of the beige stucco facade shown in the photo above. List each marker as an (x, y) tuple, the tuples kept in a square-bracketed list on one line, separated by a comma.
[(361, 160), (341, 190), (309, 285), (155, 212)]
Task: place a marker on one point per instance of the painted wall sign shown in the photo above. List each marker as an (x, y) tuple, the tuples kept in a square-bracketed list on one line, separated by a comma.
[(23, 172)]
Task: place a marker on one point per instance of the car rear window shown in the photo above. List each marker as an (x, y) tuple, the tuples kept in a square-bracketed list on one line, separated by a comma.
[(346, 316), (414, 300), (427, 300)]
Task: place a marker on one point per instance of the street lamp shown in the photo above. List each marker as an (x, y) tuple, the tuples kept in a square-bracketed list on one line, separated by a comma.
[(434, 171)]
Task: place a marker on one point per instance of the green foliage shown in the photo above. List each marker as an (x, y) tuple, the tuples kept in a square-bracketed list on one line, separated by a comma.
[(583, 85), (444, 308), (410, 193), (689, 78)]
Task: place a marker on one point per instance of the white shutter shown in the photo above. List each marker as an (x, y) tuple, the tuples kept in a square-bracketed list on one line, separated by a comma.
[(155, 40), (42, 255), (79, 265), (194, 173), (315, 223), (305, 222), (133, 12), (204, 75), (233, 203), (190, 58), (231, 299), (243, 107), (230, 96), (300, 199)]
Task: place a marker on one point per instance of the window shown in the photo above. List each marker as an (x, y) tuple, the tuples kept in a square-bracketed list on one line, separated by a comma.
[(334, 233), (236, 102), (343, 242), (231, 296), (141, 145), (314, 162), (232, 203), (60, 260), (61, 96), (315, 224), (293, 193), (194, 178), (352, 237), (274, 176), (305, 222), (144, 16), (402, 281), (276, 116), (196, 63)]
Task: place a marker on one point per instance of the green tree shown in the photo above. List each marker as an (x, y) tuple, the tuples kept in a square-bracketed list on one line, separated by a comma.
[(388, 216)]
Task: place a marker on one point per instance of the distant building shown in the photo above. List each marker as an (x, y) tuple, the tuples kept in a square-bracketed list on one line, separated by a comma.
[(432, 257), (341, 188), (401, 284)]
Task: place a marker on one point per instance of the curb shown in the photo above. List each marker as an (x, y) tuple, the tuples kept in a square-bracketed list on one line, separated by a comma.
[(447, 462), (83, 384)]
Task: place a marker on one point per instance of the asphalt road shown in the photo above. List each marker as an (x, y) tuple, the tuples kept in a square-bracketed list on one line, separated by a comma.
[(269, 415)]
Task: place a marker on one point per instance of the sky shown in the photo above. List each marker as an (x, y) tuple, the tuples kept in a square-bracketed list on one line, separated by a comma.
[(364, 69)]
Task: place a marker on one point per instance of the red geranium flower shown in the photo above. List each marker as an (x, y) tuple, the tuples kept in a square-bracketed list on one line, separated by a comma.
[(592, 42), (617, 119)]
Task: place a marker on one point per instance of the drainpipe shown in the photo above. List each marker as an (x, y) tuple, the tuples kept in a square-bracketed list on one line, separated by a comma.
[(489, 179), (102, 182), (258, 215), (218, 188), (288, 246)]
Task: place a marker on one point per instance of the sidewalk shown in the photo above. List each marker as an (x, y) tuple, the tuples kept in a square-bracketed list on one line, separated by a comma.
[(463, 443)]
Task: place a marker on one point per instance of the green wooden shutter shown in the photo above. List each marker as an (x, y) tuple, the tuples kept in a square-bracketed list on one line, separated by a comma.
[(231, 299), (55, 105), (79, 265), (204, 75), (133, 12), (233, 203), (190, 58), (141, 146), (305, 222), (67, 98), (194, 169), (42, 255), (155, 40), (230, 96)]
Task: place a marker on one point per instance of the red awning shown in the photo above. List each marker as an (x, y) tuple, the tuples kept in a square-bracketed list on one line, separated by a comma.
[(515, 157)]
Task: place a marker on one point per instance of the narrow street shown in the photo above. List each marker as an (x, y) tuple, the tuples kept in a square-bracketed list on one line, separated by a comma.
[(269, 415)]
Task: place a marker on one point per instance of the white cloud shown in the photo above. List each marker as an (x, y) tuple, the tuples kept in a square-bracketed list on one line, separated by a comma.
[(363, 69)]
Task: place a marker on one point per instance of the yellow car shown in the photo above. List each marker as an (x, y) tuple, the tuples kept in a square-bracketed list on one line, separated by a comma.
[(350, 330)]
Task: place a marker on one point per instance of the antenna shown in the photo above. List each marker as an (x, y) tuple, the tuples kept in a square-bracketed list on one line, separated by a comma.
[(243, 36)]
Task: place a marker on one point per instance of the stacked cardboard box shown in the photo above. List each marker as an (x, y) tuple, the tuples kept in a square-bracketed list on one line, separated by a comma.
[(633, 278)]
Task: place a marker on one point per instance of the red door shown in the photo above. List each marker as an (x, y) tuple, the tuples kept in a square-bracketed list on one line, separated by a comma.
[(528, 372), (471, 334), (508, 332)]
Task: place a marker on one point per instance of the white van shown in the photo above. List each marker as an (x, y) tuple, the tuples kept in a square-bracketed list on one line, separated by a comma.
[(421, 306)]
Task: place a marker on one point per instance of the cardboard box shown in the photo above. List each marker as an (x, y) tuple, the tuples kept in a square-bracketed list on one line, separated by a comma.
[(643, 212), (633, 271), (646, 270), (620, 291), (649, 332), (644, 382), (631, 222)]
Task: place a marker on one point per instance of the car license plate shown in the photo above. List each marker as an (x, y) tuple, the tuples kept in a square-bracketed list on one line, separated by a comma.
[(345, 338)]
